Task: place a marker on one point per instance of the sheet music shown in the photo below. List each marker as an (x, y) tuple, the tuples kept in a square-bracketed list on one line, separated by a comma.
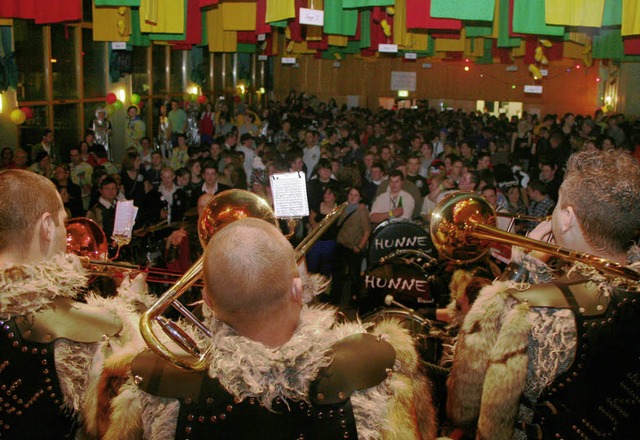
[(125, 218), (290, 194)]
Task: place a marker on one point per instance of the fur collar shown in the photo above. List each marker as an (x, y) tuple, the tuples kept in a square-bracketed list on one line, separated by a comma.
[(266, 373), (32, 287)]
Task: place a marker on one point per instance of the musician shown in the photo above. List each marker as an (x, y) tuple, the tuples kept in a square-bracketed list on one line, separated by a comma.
[(560, 359), (47, 339), (278, 368)]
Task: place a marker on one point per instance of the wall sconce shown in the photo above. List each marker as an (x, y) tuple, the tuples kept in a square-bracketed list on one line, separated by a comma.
[(121, 94)]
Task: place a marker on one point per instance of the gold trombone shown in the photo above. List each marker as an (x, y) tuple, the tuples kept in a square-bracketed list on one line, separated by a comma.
[(464, 224), (222, 209)]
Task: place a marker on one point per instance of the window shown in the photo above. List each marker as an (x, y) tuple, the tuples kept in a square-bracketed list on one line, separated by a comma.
[(31, 80), (93, 63), (63, 61)]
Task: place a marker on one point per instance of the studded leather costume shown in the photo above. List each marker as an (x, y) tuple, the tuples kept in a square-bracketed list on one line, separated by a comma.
[(591, 391), (30, 389), (207, 410), (599, 396), (40, 325)]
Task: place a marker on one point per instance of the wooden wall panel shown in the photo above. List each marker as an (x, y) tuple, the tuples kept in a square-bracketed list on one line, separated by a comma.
[(575, 90)]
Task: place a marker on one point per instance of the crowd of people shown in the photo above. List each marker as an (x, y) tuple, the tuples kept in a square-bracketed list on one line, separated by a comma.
[(545, 351), (401, 163)]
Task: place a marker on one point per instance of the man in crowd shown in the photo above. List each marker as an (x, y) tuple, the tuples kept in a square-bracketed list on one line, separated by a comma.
[(540, 204), (104, 212), (551, 177), (81, 174), (557, 357), (311, 152), (210, 177), (413, 168), (48, 340), (46, 145), (178, 119), (274, 361), (393, 203)]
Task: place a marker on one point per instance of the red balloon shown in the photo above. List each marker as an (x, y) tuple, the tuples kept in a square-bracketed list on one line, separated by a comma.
[(236, 99), (141, 104), (28, 112), (111, 98), (202, 99)]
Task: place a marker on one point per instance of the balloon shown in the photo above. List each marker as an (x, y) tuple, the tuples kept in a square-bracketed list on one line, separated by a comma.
[(140, 105), (111, 98), (117, 105), (28, 112), (193, 97), (110, 109), (17, 116), (202, 99), (135, 99)]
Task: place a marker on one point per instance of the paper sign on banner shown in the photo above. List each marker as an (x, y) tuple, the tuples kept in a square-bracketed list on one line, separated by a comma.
[(410, 56), (388, 48), (118, 45), (289, 192), (533, 89), (262, 58), (262, 37), (288, 60), (313, 17)]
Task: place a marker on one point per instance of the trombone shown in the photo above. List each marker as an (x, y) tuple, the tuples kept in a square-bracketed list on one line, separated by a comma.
[(222, 209), (463, 226)]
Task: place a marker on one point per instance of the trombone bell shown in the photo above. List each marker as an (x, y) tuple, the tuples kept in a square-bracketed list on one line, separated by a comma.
[(453, 222)]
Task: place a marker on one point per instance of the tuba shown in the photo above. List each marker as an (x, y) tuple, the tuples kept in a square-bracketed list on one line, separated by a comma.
[(463, 227), (223, 209)]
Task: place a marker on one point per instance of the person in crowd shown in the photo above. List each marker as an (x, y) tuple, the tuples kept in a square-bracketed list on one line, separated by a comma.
[(7, 162), (557, 358), (178, 120), (210, 177), (393, 203), (354, 229), (320, 257), (376, 177), (272, 360), (62, 179), (311, 154), (540, 204), (104, 211), (81, 174), (317, 185), (42, 164), (21, 159), (102, 128), (136, 129), (132, 177), (46, 145), (164, 133), (551, 177), (180, 152), (413, 175), (207, 123), (175, 197), (522, 144)]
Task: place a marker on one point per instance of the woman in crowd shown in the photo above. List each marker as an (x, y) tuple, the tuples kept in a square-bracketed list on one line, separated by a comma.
[(132, 178), (354, 229), (320, 257)]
